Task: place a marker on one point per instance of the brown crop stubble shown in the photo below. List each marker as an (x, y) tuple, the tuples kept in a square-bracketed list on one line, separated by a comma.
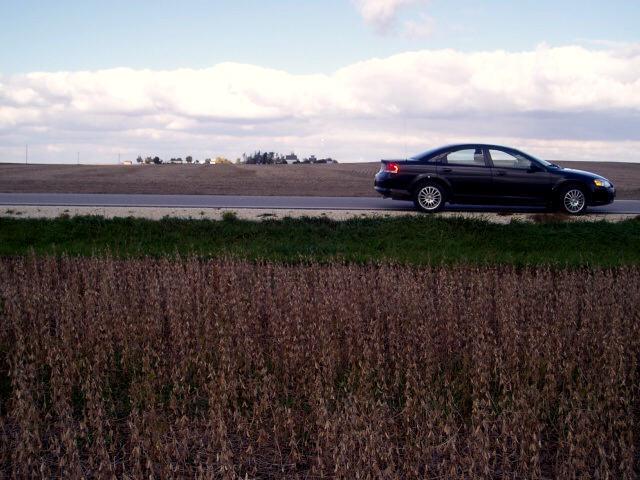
[(221, 369)]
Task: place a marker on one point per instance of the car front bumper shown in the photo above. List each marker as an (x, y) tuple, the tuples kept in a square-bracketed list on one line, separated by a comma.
[(602, 196)]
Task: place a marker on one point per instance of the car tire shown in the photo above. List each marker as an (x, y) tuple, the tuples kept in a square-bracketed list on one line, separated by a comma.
[(572, 200), (429, 197)]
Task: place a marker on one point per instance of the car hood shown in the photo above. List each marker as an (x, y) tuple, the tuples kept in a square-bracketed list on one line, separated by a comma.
[(583, 173)]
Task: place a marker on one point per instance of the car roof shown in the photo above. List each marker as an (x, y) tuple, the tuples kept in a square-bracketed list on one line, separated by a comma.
[(476, 145), (438, 150)]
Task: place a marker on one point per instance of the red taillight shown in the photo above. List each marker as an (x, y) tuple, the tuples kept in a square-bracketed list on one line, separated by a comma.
[(392, 167)]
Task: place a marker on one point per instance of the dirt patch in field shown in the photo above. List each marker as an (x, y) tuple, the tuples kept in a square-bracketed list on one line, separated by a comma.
[(342, 180)]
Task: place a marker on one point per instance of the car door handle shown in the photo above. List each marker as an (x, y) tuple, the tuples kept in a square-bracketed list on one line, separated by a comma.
[(447, 170), (501, 173)]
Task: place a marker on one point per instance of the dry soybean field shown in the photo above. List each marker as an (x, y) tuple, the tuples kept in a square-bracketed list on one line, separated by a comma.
[(193, 368)]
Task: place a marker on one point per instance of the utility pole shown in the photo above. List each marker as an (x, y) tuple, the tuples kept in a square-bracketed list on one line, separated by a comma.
[(118, 159), (78, 158), (26, 154)]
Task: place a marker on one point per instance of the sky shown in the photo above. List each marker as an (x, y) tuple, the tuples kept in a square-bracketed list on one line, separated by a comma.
[(357, 80)]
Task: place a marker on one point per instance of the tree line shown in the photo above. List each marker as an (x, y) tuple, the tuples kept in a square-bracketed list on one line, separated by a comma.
[(255, 158), (270, 158), (189, 159)]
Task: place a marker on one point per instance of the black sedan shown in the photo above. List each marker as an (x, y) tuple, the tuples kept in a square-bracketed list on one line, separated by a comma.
[(489, 174)]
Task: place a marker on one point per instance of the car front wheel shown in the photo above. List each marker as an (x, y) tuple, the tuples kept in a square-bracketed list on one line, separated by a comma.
[(573, 200), (429, 197)]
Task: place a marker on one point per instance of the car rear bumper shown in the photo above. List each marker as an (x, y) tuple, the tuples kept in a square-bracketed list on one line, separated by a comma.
[(385, 192), (393, 193), (386, 185)]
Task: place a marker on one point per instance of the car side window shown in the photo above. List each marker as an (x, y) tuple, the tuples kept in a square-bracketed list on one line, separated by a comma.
[(469, 156), (502, 159)]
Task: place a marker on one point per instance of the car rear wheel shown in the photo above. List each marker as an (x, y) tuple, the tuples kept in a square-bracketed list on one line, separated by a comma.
[(429, 197), (573, 200)]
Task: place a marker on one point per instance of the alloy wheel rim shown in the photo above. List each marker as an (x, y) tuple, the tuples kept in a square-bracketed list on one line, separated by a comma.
[(574, 200), (430, 198)]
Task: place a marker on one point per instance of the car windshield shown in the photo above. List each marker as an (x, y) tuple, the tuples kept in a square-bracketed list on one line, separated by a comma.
[(525, 156), (539, 160)]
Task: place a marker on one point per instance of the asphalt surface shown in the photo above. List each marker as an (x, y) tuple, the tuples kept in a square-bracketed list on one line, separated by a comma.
[(266, 202)]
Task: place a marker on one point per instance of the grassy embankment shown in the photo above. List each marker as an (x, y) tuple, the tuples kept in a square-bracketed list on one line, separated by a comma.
[(408, 240)]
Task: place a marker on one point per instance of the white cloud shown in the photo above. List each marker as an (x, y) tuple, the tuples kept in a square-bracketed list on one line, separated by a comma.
[(585, 100), (381, 13), (424, 26)]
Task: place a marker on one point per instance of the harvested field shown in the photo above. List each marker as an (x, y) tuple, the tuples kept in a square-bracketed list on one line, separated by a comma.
[(342, 180), (318, 180), (220, 369)]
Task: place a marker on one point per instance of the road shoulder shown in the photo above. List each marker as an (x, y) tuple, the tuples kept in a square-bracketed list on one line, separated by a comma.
[(157, 213)]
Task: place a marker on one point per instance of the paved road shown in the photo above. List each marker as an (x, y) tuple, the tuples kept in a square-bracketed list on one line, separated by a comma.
[(266, 202)]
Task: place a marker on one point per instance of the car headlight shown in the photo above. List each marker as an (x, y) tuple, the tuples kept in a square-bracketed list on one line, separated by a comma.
[(602, 183)]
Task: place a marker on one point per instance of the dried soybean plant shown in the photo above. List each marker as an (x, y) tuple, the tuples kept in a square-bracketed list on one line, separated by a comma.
[(162, 368)]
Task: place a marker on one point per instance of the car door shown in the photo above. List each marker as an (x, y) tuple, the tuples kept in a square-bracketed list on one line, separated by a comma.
[(517, 177), (468, 172)]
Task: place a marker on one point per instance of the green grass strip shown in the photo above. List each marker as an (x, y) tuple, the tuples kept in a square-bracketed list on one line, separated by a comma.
[(409, 240)]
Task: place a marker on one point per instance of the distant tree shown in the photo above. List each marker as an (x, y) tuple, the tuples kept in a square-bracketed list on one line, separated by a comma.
[(207, 161), (267, 158), (189, 159), (237, 161), (156, 160), (222, 161), (270, 158), (148, 160), (139, 159), (250, 159)]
